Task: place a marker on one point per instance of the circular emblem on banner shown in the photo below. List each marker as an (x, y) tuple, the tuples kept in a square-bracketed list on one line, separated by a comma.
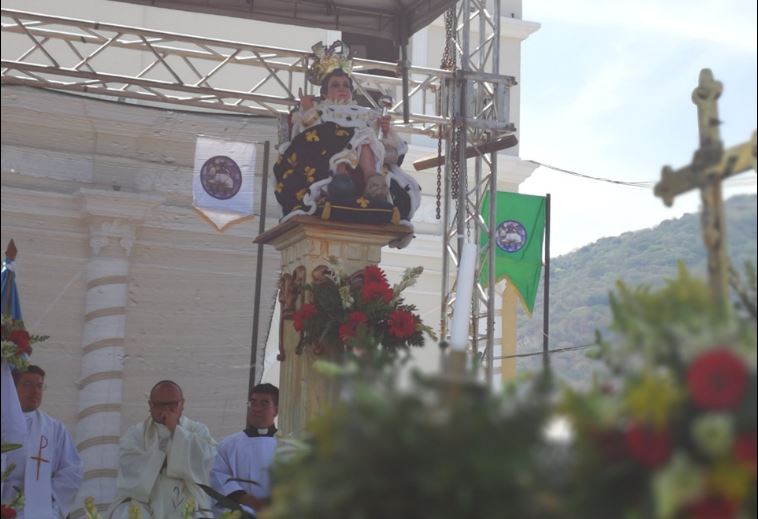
[(221, 177), (510, 236)]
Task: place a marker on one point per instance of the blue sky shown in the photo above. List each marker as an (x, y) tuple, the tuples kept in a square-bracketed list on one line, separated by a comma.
[(606, 92)]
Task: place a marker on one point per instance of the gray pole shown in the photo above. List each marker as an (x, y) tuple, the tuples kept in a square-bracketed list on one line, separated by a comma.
[(253, 380), (546, 285)]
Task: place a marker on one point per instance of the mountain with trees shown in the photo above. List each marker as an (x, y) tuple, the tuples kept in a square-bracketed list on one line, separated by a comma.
[(581, 281)]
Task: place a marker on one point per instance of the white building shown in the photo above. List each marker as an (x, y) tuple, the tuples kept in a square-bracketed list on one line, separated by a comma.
[(114, 264)]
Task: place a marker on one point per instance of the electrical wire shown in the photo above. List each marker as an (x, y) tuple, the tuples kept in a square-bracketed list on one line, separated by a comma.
[(535, 353), (736, 181)]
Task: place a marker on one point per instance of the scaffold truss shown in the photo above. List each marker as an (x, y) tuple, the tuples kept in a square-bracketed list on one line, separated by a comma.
[(467, 106)]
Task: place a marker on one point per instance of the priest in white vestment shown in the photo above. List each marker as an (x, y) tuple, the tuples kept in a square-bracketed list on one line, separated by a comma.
[(162, 459), (248, 454), (48, 469)]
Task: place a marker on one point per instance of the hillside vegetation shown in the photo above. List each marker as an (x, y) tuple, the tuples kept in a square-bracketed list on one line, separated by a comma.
[(581, 281)]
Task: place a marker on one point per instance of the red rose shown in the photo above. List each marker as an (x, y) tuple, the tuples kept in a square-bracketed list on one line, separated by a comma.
[(307, 311), (402, 324), (21, 338), (6, 512), (744, 449), (354, 320), (648, 446), (717, 379), (377, 292), (711, 507)]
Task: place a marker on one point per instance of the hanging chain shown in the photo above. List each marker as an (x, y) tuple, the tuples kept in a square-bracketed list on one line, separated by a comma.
[(455, 169), (439, 170), (447, 63), (448, 54)]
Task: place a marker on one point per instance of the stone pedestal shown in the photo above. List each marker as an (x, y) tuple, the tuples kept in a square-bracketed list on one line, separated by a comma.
[(306, 243)]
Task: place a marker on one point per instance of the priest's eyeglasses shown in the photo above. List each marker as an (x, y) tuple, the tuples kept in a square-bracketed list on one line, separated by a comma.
[(33, 385), (170, 405), (263, 404)]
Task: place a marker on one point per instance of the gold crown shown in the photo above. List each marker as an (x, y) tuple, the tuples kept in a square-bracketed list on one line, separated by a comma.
[(326, 59)]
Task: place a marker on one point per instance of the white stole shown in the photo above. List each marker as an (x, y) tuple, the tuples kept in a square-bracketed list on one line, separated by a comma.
[(40, 447)]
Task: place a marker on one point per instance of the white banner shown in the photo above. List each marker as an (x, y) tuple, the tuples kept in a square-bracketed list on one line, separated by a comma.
[(222, 186)]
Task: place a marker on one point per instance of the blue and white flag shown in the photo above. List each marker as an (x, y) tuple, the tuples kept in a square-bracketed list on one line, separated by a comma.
[(222, 185)]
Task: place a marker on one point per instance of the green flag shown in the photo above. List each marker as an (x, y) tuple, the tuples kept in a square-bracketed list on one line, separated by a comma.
[(519, 232)]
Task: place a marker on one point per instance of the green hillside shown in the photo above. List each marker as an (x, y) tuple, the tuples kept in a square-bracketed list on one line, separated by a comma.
[(581, 281)]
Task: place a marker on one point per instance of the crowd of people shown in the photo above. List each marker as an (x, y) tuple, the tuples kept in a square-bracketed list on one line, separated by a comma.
[(162, 460)]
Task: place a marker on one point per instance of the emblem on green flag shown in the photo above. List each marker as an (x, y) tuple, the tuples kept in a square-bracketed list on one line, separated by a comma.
[(518, 234)]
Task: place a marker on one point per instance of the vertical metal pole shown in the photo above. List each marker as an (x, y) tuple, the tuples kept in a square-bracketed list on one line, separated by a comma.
[(446, 217), (546, 286), (404, 68), (491, 223), (253, 380), (492, 216)]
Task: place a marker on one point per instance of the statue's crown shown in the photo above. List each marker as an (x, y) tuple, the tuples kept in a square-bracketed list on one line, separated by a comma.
[(326, 59)]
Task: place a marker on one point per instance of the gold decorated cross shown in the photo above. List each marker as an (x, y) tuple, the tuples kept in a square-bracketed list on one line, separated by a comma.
[(710, 165)]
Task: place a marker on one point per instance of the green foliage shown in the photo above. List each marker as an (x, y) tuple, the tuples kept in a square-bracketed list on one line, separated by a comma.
[(665, 433), (422, 454), (581, 281)]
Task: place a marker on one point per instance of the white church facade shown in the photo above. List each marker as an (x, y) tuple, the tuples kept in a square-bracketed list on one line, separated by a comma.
[(129, 282)]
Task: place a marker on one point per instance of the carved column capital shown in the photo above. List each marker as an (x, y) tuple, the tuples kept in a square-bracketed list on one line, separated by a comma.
[(110, 234), (114, 217)]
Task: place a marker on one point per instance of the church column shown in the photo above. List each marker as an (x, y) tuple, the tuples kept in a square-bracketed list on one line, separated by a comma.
[(113, 220)]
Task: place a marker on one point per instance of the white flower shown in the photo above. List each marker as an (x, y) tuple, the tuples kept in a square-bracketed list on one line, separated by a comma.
[(713, 433), (679, 482)]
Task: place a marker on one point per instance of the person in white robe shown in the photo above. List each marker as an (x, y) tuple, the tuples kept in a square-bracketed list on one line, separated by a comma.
[(162, 460), (48, 469), (248, 455)]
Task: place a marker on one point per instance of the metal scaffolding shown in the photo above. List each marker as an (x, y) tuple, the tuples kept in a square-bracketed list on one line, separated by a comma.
[(479, 92), (467, 106)]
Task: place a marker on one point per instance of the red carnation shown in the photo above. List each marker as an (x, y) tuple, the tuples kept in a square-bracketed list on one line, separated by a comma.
[(21, 338), (6, 512), (307, 311), (648, 446), (402, 324), (377, 291), (373, 274), (348, 329), (744, 449), (711, 507), (717, 379)]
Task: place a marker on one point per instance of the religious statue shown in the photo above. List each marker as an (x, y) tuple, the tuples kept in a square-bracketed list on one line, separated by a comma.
[(343, 160)]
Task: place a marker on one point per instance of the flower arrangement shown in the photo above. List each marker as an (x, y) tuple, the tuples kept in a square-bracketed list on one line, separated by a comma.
[(17, 342), (671, 431), (667, 430), (352, 311)]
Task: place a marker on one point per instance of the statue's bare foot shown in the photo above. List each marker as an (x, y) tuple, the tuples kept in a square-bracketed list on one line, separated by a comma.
[(376, 188)]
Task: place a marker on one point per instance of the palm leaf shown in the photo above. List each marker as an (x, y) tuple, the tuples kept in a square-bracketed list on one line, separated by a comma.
[(224, 501)]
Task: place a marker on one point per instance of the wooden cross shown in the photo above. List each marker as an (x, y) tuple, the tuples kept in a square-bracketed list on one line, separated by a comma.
[(38, 458), (710, 165)]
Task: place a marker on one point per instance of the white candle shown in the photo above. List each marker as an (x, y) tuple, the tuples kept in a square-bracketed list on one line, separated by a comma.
[(463, 291)]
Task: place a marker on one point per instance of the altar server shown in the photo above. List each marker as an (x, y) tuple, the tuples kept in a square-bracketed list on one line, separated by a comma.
[(248, 454)]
